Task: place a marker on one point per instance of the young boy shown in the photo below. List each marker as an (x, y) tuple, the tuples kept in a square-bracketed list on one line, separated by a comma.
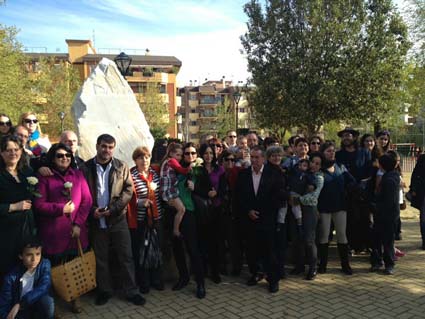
[(387, 212), (25, 290)]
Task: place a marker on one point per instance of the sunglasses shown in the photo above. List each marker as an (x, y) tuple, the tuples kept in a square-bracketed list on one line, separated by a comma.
[(315, 143), (229, 159), (189, 153), (7, 123), (29, 121), (62, 155), (231, 136), (216, 145)]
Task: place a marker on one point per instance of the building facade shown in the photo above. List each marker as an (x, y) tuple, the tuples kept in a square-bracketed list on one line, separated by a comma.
[(199, 109), (144, 69)]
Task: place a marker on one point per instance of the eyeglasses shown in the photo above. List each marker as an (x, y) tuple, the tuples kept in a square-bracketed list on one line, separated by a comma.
[(29, 121), (63, 155), (229, 159), (315, 143), (216, 145), (189, 153), (7, 123), (231, 136)]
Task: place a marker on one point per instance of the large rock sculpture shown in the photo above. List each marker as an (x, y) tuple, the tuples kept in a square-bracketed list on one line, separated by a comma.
[(106, 104)]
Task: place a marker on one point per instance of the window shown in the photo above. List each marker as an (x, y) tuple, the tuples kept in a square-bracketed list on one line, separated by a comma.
[(192, 110), (193, 123), (193, 97), (241, 110), (193, 136)]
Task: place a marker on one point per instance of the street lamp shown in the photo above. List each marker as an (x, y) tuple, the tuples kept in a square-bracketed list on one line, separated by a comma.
[(123, 62), (236, 98), (62, 118)]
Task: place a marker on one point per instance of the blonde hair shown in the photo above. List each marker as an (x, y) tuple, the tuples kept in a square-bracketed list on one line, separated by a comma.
[(25, 115)]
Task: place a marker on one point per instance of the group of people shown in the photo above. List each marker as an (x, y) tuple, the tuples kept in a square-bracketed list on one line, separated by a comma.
[(227, 201)]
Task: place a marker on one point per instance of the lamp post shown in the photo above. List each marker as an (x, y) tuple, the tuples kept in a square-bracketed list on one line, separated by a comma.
[(123, 62), (62, 118), (236, 98)]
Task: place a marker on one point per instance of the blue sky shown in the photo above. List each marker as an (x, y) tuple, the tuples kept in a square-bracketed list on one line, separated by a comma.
[(203, 34)]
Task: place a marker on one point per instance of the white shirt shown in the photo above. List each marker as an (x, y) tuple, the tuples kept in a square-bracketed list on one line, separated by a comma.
[(256, 179), (27, 281), (102, 188)]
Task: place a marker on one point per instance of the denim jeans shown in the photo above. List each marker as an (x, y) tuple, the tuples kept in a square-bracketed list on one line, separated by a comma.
[(43, 309)]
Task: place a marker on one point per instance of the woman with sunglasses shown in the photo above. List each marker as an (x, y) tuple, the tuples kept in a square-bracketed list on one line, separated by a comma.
[(6, 127), (188, 229), (314, 144), (63, 208), (17, 221), (230, 219), (38, 143)]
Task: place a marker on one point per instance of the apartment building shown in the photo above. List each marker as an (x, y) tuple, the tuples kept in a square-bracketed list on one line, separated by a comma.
[(199, 108), (144, 69)]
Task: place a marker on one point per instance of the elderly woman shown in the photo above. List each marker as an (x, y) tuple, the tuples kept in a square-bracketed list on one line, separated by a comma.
[(63, 208), (16, 217), (145, 222), (188, 229), (6, 127), (37, 142), (333, 207)]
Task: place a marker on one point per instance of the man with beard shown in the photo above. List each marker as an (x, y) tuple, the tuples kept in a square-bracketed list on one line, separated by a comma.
[(358, 162)]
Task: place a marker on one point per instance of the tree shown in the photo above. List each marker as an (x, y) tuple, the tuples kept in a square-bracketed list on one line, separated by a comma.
[(315, 61), (225, 117), (154, 108), (55, 82), (15, 91)]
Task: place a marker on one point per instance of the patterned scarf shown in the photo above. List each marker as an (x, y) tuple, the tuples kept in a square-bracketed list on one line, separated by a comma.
[(33, 145), (152, 210)]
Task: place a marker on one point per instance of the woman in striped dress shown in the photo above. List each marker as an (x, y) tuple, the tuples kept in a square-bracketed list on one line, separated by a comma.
[(144, 220)]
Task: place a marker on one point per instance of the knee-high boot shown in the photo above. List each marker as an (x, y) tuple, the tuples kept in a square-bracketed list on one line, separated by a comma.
[(323, 257), (343, 255)]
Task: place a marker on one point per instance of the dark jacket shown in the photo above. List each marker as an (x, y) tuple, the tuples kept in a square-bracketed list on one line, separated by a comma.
[(120, 188), (417, 183), (12, 287), (387, 199), (333, 195), (358, 163), (268, 199)]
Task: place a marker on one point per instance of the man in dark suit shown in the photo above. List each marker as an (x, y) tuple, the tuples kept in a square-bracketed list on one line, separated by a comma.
[(259, 190)]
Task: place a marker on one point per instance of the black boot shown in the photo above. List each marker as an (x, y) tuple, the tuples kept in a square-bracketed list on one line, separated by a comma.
[(311, 273), (343, 255), (144, 282), (323, 257), (200, 290)]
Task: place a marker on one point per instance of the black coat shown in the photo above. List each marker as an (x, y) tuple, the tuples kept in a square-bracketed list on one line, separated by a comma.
[(417, 183), (269, 196), (15, 227), (388, 198)]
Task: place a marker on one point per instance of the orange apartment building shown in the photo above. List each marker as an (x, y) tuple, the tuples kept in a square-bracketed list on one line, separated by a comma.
[(161, 70)]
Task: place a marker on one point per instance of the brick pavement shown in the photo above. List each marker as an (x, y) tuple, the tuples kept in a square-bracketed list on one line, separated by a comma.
[(333, 295)]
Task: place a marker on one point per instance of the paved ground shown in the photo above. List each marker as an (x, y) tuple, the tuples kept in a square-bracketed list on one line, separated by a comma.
[(333, 295)]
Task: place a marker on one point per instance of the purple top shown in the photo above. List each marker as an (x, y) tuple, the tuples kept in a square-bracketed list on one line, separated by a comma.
[(215, 182), (54, 227)]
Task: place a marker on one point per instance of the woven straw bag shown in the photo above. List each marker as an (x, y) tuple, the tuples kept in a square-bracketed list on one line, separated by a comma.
[(76, 277)]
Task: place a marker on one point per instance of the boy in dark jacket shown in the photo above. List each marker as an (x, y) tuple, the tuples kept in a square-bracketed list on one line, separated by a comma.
[(25, 291), (387, 212)]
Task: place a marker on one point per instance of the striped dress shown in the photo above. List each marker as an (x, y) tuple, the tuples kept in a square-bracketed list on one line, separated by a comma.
[(142, 192)]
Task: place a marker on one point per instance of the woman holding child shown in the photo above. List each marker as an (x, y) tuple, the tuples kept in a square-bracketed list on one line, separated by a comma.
[(63, 208), (16, 217)]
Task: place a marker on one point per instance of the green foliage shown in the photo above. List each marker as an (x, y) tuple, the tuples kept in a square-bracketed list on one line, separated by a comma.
[(15, 92), (316, 61), (155, 109), (225, 117), (56, 82)]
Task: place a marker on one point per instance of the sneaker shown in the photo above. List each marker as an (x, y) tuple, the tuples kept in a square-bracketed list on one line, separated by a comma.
[(399, 253), (389, 270)]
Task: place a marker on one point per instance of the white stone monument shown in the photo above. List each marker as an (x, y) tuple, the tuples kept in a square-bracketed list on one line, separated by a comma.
[(106, 104)]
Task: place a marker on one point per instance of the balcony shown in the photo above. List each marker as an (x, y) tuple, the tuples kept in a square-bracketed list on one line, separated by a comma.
[(208, 114), (209, 100)]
